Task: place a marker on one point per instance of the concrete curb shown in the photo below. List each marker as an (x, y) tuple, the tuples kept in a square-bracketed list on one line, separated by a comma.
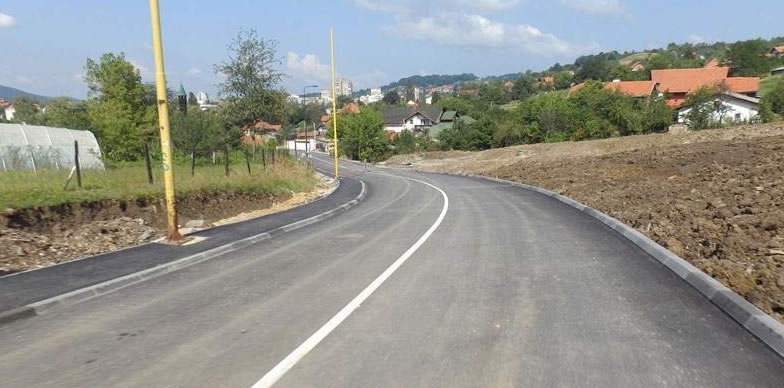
[(761, 325), (83, 294)]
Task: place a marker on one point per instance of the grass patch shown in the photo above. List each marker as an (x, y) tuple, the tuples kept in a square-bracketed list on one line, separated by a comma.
[(25, 189)]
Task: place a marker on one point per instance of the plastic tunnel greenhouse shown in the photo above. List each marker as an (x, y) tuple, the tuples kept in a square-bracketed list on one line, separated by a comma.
[(34, 147)]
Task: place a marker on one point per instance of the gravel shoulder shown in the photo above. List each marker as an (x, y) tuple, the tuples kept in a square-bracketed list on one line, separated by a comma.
[(712, 197)]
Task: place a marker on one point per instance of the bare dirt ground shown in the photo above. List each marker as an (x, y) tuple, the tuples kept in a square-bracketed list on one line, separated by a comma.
[(36, 238), (714, 197)]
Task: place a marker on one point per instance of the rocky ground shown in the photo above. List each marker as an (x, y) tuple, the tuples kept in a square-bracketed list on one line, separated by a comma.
[(36, 238), (715, 198)]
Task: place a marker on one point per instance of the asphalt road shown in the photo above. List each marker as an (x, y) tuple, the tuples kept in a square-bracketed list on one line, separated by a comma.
[(430, 281)]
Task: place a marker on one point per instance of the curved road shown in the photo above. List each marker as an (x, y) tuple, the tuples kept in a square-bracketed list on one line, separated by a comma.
[(430, 281)]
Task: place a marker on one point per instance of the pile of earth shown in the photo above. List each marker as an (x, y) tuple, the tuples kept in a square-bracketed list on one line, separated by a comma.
[(715, 198), (43, 236)]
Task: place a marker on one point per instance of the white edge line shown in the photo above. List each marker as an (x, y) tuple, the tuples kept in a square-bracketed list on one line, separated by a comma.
[(302, 350)]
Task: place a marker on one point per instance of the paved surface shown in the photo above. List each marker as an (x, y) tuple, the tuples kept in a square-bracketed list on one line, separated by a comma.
[(512, 289), (22, 288)]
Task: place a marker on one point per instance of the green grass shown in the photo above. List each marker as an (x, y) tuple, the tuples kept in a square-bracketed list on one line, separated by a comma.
[(24, 189)]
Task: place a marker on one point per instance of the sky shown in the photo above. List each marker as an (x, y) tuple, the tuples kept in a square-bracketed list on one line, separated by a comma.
[(44, 44)]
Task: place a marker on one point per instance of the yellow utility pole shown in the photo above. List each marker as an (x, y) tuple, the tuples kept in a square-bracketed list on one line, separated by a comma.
[(334, 102), (172, 234)]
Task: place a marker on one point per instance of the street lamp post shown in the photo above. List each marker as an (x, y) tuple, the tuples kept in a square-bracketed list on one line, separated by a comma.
[(304, 121)]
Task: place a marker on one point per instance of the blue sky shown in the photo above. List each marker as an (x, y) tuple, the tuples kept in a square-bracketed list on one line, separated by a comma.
[(44, 44)]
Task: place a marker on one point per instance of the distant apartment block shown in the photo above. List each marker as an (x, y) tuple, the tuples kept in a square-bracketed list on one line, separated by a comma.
[(344, 87)]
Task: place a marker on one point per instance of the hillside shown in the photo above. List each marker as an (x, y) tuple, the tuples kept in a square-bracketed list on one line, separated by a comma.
[(11, 94)]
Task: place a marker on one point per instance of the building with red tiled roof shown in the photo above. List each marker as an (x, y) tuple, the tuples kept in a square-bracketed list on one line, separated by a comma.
[(637, 89), (679, 82), (777, 51)]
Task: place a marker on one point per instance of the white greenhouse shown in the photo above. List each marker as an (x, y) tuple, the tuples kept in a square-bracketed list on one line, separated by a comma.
[(34, 147)]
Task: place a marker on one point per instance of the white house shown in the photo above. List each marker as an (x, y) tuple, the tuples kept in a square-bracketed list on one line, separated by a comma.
[(414, 119), (735, 107)]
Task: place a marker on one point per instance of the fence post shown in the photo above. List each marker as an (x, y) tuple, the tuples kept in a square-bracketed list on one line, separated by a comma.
[(76, 164), (148, 162)]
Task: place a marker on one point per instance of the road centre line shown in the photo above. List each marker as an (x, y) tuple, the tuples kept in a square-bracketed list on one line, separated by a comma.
[(303, 349)]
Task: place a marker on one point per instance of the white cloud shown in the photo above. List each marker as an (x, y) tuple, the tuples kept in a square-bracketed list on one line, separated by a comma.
[(6, 20), (193, 71), (480, 32), (411, 7), (308, 66), (386, 6), (24, 79), (146, 47), (695, 39), (596, 7), (374, 79)]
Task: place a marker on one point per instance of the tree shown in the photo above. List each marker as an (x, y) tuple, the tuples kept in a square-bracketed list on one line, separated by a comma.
[(701, 108), (391, 97), (361, 135), (772, 103), (64, 113), (121, 109), (251, 80), (195, 133), (26, 111), (405, 142), (748, 58)]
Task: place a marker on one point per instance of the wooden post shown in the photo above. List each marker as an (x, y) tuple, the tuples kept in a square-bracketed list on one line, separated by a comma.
[(148, 162), (247, 160), (76, 164)]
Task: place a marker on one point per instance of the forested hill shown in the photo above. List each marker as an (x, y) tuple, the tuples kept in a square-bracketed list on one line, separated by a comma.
[(433, 80), (11, 94)]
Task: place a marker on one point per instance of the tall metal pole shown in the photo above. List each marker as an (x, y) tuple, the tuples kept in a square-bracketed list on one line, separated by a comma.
[(334, 103), (172, 234)]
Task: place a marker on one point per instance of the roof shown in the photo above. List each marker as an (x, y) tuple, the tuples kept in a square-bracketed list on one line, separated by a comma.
[(713, 63), (349, 108), (448, 115), (181, 91), (396, 115), (262, 125), (632, 88), (742, 97), (743, 84), (778, 49), (686, 80)]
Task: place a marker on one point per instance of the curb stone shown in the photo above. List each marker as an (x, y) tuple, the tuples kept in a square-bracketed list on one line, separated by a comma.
[(83, 294), (754, 320)]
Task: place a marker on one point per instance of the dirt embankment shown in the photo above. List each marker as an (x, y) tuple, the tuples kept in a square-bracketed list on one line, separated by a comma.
[(715, 198), (40, 237)]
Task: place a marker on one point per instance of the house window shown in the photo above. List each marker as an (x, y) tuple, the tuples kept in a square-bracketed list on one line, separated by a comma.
[(737, 117)]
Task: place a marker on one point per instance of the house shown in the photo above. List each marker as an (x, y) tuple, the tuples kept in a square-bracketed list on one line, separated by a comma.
[(636, 66), (777, 51), (448, 120), (636, 89), (415, 119), (712, 63), (777, 71), (677, 83), (546, 81), (730, 107), (8, 109)]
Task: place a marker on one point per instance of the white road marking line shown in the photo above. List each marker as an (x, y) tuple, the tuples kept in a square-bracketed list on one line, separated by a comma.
[(302, 350)]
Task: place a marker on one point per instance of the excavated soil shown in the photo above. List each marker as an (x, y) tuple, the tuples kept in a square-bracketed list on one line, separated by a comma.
[(39, 237), (715, 198)]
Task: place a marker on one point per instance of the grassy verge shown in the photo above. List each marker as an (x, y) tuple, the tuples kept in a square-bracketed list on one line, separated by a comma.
[(24, 189)]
